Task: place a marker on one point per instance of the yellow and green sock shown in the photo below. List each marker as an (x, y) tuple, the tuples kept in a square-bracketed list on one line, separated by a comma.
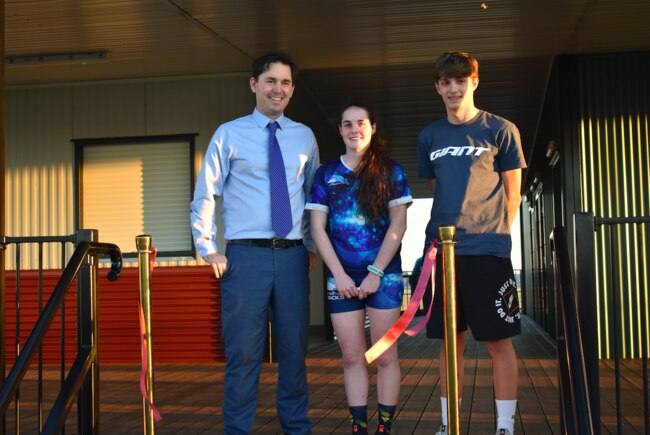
[(359, 419), (385, 414)]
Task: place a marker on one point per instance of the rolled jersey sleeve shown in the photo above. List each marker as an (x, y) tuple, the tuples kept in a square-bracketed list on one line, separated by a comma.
[(318, 198), (209, 187), (401, 191)]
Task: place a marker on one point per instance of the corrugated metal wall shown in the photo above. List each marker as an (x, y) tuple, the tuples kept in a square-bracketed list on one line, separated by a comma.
[(38, 173), (186, 316), (615, 162)]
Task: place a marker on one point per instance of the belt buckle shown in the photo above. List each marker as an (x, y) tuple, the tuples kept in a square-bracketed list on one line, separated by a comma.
[(276, 243)]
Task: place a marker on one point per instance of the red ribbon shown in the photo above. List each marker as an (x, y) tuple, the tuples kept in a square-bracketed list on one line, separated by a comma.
[(143, 347), (391, 336)]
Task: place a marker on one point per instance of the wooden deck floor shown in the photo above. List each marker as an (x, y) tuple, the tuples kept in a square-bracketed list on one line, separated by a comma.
[(188, 395)]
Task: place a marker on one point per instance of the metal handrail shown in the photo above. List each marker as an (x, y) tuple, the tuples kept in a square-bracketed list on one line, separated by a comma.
[(586, 224), (598, 220), (22, 363), (574, 389)]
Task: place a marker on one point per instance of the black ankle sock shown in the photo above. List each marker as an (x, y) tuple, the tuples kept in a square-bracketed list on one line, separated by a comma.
[(385, 414), (359, 419)]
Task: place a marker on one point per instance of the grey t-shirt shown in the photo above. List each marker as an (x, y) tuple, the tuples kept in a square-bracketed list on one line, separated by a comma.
[(466, 161)]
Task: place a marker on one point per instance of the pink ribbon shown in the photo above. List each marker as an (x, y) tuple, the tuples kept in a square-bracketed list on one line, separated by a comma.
[(143, 347), (391, 336)]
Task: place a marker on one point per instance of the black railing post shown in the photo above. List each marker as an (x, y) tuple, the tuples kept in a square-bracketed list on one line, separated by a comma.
[(85, 254), (617, 338), (644, 353), (585, 264), (566, 418), (573, 381), (87, 336)]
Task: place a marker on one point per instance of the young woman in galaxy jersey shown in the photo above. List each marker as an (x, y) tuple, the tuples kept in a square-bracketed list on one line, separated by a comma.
[(363, 196)]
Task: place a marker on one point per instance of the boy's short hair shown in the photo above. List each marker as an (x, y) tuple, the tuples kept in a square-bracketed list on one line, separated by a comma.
[(263, 63), (455, 64)]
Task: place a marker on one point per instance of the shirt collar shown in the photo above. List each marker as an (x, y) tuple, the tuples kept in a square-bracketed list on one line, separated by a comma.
[(262, 120)]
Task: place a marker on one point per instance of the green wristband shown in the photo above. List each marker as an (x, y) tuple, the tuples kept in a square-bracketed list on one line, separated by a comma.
[(377, 271)]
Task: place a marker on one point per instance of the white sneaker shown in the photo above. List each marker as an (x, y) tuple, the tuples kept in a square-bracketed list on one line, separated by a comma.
[(442, 430), (503, 432)]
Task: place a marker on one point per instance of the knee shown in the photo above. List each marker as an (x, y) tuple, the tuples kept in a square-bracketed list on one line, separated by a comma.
[(500, 347), (353, 359), (388, 359)]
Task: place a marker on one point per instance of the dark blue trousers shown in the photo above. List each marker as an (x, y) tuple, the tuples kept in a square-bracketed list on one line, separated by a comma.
[(256, 279)]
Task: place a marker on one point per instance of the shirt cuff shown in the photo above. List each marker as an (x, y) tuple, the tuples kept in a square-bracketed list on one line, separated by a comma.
[(205, 247)]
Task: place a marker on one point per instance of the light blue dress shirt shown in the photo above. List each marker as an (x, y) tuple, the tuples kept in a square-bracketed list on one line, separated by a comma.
[(236, 167)]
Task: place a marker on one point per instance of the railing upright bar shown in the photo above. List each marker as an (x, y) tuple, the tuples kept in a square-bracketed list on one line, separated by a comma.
[(62, 329), (40, 347), (567, 408), (617, 329), (584, 248), (17, 342), (644, 354), (566, 404), (88, 398)]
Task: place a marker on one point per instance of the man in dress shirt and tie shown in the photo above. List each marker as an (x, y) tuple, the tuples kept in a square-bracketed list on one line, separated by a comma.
[(268, 256)]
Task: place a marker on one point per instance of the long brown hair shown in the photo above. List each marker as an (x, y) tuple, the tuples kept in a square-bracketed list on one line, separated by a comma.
[(374, 172)]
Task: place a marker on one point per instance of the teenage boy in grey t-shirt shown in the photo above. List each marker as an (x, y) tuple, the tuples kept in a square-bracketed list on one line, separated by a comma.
[(472, 160)]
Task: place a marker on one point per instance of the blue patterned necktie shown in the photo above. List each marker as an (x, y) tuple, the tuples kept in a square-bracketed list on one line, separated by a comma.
[(280, 205)]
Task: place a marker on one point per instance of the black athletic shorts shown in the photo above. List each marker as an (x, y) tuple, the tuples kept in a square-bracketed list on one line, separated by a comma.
[(486, 298)]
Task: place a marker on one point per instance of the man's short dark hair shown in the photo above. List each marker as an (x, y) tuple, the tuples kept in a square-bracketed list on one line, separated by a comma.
[(263, 63), (455, 64)]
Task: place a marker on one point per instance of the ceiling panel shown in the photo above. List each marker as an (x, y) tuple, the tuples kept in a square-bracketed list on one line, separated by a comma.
[(170, 37), (380, 51)]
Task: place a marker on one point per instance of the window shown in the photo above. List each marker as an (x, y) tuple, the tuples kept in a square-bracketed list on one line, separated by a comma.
[(132, 186)]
